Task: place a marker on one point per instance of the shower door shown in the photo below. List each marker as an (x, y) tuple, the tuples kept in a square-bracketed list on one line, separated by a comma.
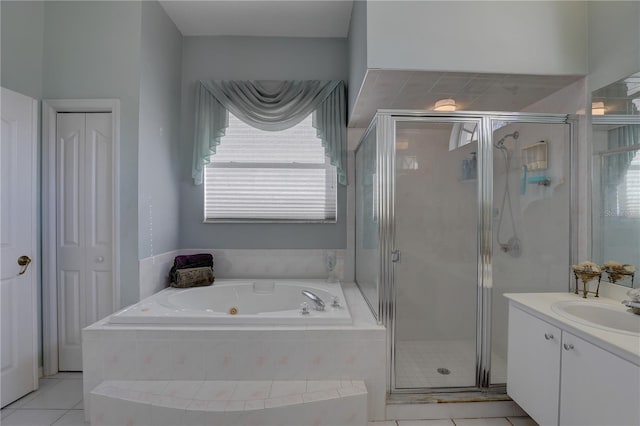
[(435, 253), (470, 206)]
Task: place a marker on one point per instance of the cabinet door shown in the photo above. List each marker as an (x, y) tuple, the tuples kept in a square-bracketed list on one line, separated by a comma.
[(597, 387), (533, 366)]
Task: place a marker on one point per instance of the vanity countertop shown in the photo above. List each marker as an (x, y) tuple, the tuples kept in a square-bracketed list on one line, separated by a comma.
[(539, 304)]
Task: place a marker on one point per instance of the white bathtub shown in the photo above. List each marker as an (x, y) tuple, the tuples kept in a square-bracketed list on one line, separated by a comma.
[(239, 302)]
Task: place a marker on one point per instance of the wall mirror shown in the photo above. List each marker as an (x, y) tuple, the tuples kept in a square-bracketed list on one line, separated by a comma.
[(616, 178)]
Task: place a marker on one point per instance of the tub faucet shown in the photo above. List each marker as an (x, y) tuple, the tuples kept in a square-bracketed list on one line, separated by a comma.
[(319, 304)]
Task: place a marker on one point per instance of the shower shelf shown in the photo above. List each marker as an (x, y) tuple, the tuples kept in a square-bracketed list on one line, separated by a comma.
[(535, 156)]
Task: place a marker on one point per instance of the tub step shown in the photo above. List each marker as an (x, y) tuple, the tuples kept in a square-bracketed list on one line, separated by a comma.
[(229, 403)]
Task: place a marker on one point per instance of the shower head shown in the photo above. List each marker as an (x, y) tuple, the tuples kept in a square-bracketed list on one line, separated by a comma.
[(500, 143)]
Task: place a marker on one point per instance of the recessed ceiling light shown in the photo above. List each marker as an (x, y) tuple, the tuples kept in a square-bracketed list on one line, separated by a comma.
[(445, 105)]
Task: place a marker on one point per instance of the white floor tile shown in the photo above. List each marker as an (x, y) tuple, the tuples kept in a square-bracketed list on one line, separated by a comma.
[(72, 418), (43, 385), (497, 421), (522, 421), (6, 411), (33, 417), (383, 423), (441, 422), (64, 395), (79, 406), (73, 375)]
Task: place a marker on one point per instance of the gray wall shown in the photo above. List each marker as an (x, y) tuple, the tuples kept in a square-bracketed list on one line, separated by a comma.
[(614, 41), (357, 49), (253, 58), (159, 132), (22, 46), (528, 37), (92, 50), (22, 39)]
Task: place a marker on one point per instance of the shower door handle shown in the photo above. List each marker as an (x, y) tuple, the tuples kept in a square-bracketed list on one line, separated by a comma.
[(395, 256)]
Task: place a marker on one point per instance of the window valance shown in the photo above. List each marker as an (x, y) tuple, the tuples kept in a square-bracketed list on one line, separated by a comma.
[(271, 106)]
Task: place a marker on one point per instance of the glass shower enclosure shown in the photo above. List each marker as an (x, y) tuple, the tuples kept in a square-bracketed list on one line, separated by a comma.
[(453, 210)]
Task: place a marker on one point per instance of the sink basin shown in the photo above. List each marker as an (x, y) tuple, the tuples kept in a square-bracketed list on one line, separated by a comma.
[(600, 315)]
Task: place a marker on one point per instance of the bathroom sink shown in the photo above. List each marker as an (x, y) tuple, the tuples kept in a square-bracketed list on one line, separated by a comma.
[(600, 315)]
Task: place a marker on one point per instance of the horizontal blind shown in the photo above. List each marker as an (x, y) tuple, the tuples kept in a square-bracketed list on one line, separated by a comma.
[(631, 202), (260, 175)]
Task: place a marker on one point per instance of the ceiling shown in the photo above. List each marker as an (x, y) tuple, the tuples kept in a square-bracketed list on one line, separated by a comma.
[(262, 18), (392, 89)]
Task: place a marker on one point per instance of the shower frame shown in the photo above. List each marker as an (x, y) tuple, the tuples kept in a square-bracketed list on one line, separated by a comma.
[(384, 124)]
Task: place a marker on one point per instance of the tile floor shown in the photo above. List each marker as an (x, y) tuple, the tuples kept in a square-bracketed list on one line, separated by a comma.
[(418, 361), (498, 421), (58, 402)]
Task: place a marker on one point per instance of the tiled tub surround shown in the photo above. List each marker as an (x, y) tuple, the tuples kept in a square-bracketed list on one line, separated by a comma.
[(251, 353), (240, 403), (255, 263)]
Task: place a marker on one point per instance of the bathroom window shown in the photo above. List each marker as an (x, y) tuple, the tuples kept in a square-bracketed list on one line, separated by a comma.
[(257, 175)]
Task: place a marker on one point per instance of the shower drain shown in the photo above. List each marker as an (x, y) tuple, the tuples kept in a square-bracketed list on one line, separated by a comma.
[(444, 371)]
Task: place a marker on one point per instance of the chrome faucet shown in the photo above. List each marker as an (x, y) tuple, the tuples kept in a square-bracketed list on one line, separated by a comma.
[(319, 304)]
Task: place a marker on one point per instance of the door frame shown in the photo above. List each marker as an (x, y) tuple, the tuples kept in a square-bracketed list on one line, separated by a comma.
[(50, 109)]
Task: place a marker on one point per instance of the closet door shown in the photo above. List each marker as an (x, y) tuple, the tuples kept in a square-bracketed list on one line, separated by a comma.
[(98, 217), (84, 197)]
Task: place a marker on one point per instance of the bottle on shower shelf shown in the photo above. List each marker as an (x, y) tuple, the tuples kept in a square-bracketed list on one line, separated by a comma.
[(473, 166), (465, 169)]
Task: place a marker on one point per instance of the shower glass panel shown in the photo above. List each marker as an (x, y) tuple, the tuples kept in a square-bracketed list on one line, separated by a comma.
[(436, 274), (367, 236), (531, 220)]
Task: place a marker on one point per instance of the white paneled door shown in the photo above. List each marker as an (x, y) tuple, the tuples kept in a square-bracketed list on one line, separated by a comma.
[(19, 357), (84, 229)]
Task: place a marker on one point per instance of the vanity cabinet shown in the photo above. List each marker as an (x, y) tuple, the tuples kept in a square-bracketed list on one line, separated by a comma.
[(597, 387), (561, 379), (533, 366)]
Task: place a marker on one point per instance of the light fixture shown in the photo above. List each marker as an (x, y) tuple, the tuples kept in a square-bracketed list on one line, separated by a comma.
[(597, 108), (445, 105)]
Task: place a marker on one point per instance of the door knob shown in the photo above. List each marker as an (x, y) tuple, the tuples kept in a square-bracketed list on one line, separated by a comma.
[(24, 261), (100, 259)]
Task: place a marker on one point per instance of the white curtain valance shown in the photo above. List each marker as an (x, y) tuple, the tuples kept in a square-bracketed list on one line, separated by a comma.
[(271, 106)]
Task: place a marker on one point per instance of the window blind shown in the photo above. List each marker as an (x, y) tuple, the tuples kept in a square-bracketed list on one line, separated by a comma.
[(630, 199), (260, 175)]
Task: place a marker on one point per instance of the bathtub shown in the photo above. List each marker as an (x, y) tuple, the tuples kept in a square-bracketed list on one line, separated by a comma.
[(258, 302)]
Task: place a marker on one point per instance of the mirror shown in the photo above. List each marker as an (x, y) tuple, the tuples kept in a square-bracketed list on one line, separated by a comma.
[(616, 179)]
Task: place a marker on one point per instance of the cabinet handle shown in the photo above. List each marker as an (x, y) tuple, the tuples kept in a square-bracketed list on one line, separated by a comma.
[(548, 336), (568, 346)]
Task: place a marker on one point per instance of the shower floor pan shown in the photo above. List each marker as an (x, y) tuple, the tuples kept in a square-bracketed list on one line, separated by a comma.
[(442, 364)]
